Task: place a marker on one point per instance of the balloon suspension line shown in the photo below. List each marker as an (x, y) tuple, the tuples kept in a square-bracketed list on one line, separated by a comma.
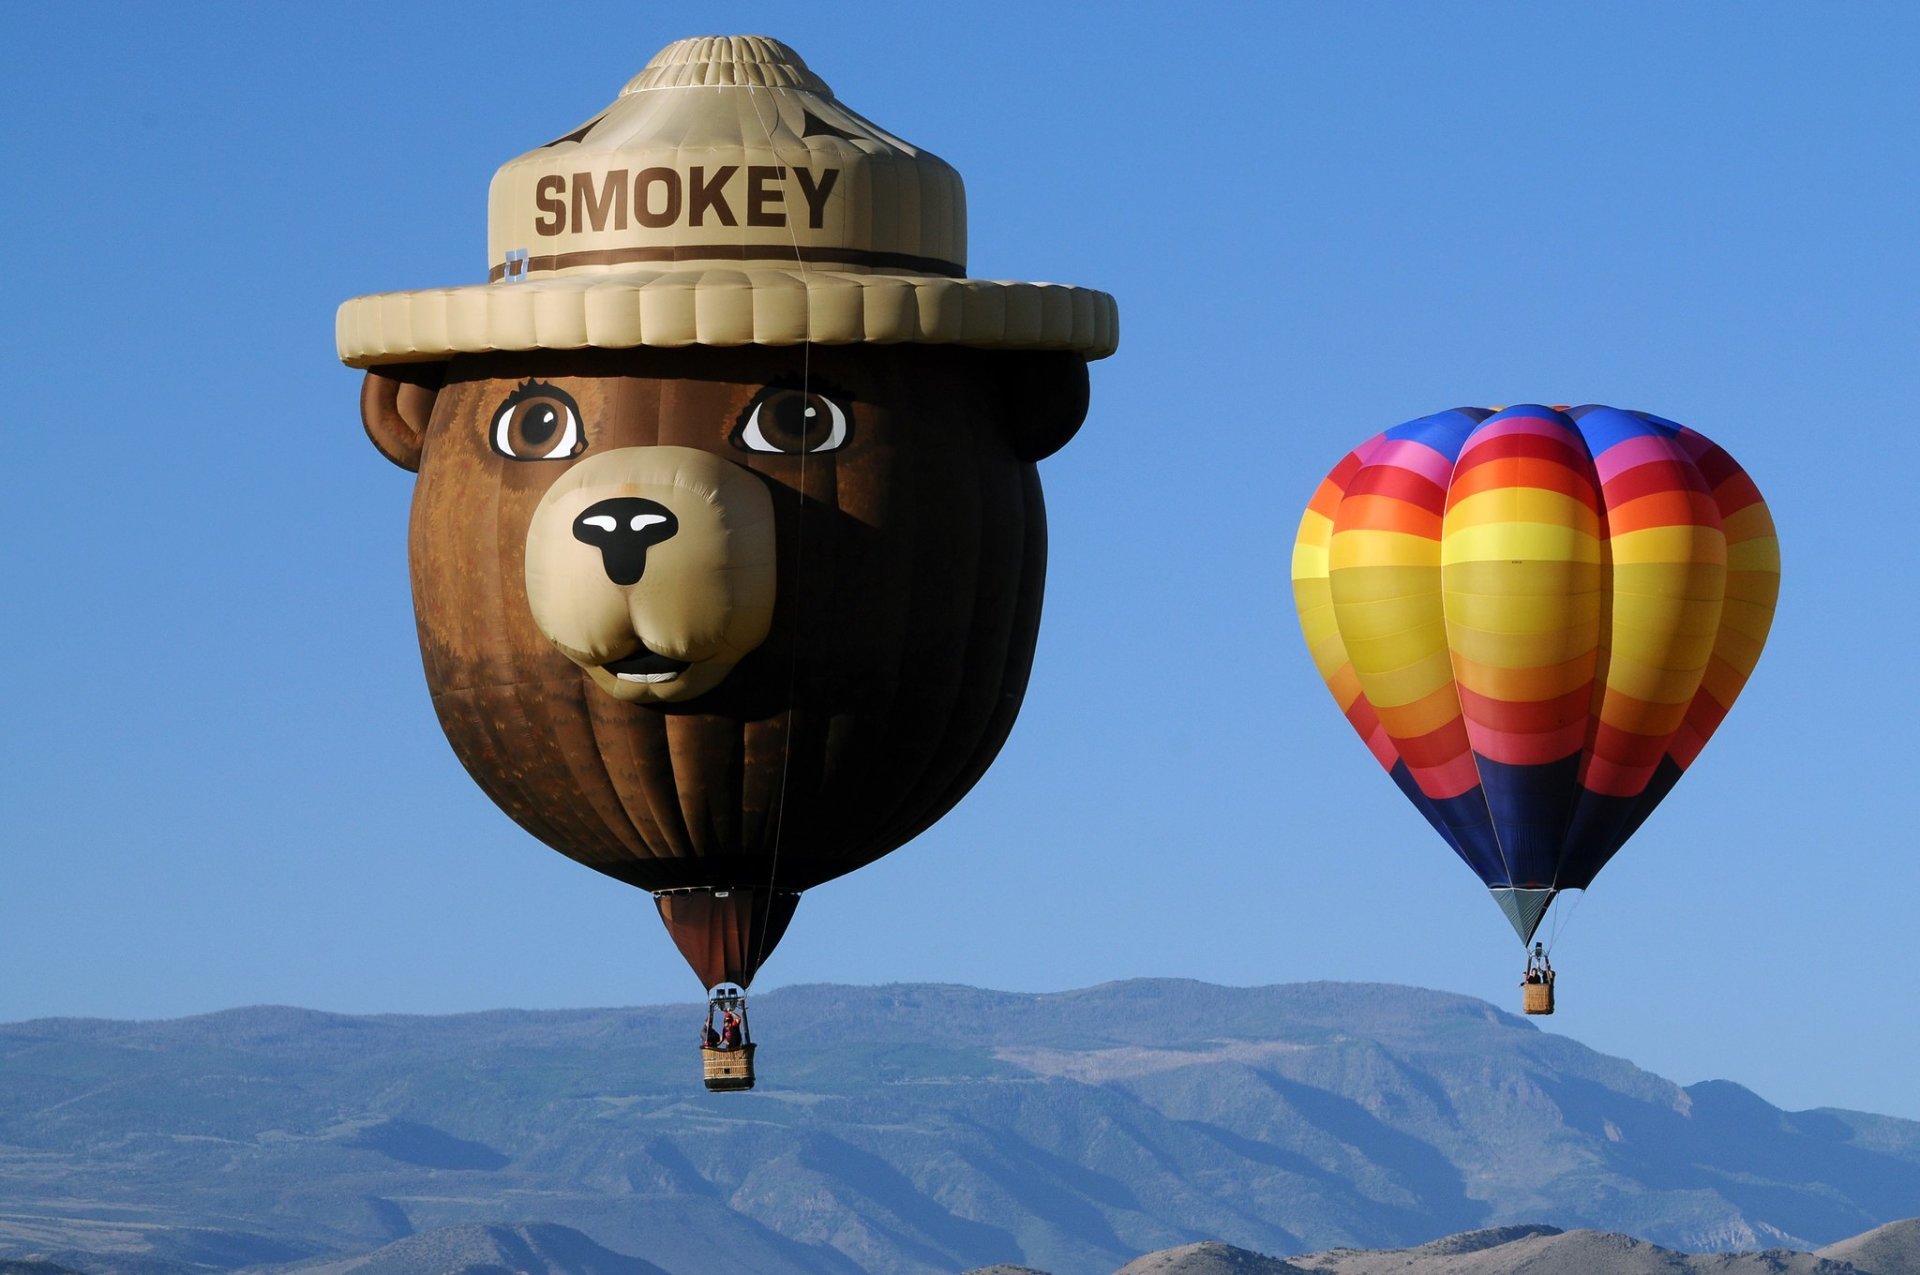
[(799, 545), (1563, 918)]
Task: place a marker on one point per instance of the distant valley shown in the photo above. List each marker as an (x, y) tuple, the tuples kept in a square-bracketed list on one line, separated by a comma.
[(910, 1130)]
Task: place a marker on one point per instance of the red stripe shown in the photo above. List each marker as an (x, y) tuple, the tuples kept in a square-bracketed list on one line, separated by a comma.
[(1537, 446), (1436, 747), (1527, 717), (1736, 493), (1401, 484), (1505, 473), (1661, 475), (1627, 748)]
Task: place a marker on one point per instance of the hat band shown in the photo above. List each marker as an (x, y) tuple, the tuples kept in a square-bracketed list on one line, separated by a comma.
[(731, 252)]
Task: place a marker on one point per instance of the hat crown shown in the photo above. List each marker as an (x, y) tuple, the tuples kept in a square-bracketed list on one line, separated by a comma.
[(726, 150), (721, 60), (725, 197)]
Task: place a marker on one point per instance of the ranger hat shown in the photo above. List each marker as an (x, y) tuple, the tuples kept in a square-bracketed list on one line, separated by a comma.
[(724, 198)]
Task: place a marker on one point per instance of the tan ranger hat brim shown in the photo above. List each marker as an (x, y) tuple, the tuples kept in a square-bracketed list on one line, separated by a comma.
[(717, 306), (725, 198)]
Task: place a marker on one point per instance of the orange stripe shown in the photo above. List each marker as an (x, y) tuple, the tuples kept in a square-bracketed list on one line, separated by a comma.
[(1664, 509), (1326, 499), (1385, 513), (1627, 748), (1450, 780), (1520, 471), (1436, 747), (1612, 780), (1527, 716)]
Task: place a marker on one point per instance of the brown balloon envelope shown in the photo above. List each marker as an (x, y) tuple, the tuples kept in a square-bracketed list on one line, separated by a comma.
[(728, 618)]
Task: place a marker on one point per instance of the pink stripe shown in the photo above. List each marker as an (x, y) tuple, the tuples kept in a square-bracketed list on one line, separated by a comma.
[(1415, 456), (1514, 749), (1694, 444), (1513, 425), (1685, 746), (1369, 449), (1381, 745), (1612, 780), (1640, 450), (1449, 779)]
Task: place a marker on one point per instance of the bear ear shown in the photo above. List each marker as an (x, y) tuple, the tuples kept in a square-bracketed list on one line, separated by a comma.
[(1045, 393), (396, 402)]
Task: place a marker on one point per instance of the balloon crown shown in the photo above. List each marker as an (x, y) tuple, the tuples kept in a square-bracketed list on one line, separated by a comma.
[(719, 60)]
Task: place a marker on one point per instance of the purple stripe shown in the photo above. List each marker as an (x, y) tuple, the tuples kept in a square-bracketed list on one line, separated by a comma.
[(1509, 426), (1371, 448), (1643, 449), (1416, 457)]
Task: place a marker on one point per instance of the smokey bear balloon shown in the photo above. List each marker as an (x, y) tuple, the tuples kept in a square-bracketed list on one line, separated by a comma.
[(727, 544)]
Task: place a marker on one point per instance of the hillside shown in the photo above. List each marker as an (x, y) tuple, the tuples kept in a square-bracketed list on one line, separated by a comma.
[(904, 1129)]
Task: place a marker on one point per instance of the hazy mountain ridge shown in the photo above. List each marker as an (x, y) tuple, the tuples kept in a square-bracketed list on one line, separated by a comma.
[(1518, 1250), (907, 1129)]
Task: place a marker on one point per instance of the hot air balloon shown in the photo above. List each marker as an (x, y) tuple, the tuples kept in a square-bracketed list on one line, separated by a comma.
[(728, 543), (1536, 617)]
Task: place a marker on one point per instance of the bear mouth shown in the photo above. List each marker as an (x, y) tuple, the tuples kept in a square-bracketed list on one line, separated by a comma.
[(647, 667)]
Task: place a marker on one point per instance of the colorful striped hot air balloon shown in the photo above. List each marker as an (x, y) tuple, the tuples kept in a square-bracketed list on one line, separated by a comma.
[(1535, 618)]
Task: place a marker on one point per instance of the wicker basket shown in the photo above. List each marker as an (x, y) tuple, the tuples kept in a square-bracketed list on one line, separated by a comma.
[(1538, 998), (726, 1069)]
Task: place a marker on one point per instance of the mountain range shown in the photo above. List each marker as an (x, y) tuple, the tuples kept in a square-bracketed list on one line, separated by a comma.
[(902, 1129)]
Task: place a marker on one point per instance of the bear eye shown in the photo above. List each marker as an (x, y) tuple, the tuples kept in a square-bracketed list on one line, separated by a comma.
[(537, 422), (791, 422)]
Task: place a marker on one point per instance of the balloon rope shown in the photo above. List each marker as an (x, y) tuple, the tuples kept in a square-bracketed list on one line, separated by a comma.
[(799, 543), (1560, 922)]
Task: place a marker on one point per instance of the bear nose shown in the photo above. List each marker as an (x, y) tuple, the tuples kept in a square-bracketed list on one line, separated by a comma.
[(623, 529)]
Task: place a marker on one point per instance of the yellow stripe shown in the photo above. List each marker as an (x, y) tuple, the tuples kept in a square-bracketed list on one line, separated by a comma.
[(1750, 523), (1517, 542), (1522, 579), (1653, 683), (1373, 584), (1371, 621), (1538, 649), (1739, 649), (1389, 688), (1396, 649), (1315, 529), (1522, 504), (1522, 684), (1749, 621), (1627, 713), (1509, 613), (1761, 554), (1382, 549), (1309, 561), (1695, 581), (1669, 544)]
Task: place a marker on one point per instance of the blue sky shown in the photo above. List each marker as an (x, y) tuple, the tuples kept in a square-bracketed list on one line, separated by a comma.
[(222, 783)]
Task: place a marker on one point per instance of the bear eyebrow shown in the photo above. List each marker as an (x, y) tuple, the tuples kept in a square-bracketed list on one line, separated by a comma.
[(533, 388), (808, 385)]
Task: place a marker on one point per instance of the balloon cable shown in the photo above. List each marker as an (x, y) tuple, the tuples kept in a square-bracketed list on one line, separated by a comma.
[(799, 543), (1563, 918)]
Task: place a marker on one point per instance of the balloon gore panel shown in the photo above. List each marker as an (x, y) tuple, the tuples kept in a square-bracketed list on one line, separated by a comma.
[(725, 936)]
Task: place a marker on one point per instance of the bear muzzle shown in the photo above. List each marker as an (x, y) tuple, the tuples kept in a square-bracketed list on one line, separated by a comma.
[(653, 569)]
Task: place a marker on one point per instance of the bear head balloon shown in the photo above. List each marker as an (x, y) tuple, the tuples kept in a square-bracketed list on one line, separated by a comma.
[(727, 545)]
